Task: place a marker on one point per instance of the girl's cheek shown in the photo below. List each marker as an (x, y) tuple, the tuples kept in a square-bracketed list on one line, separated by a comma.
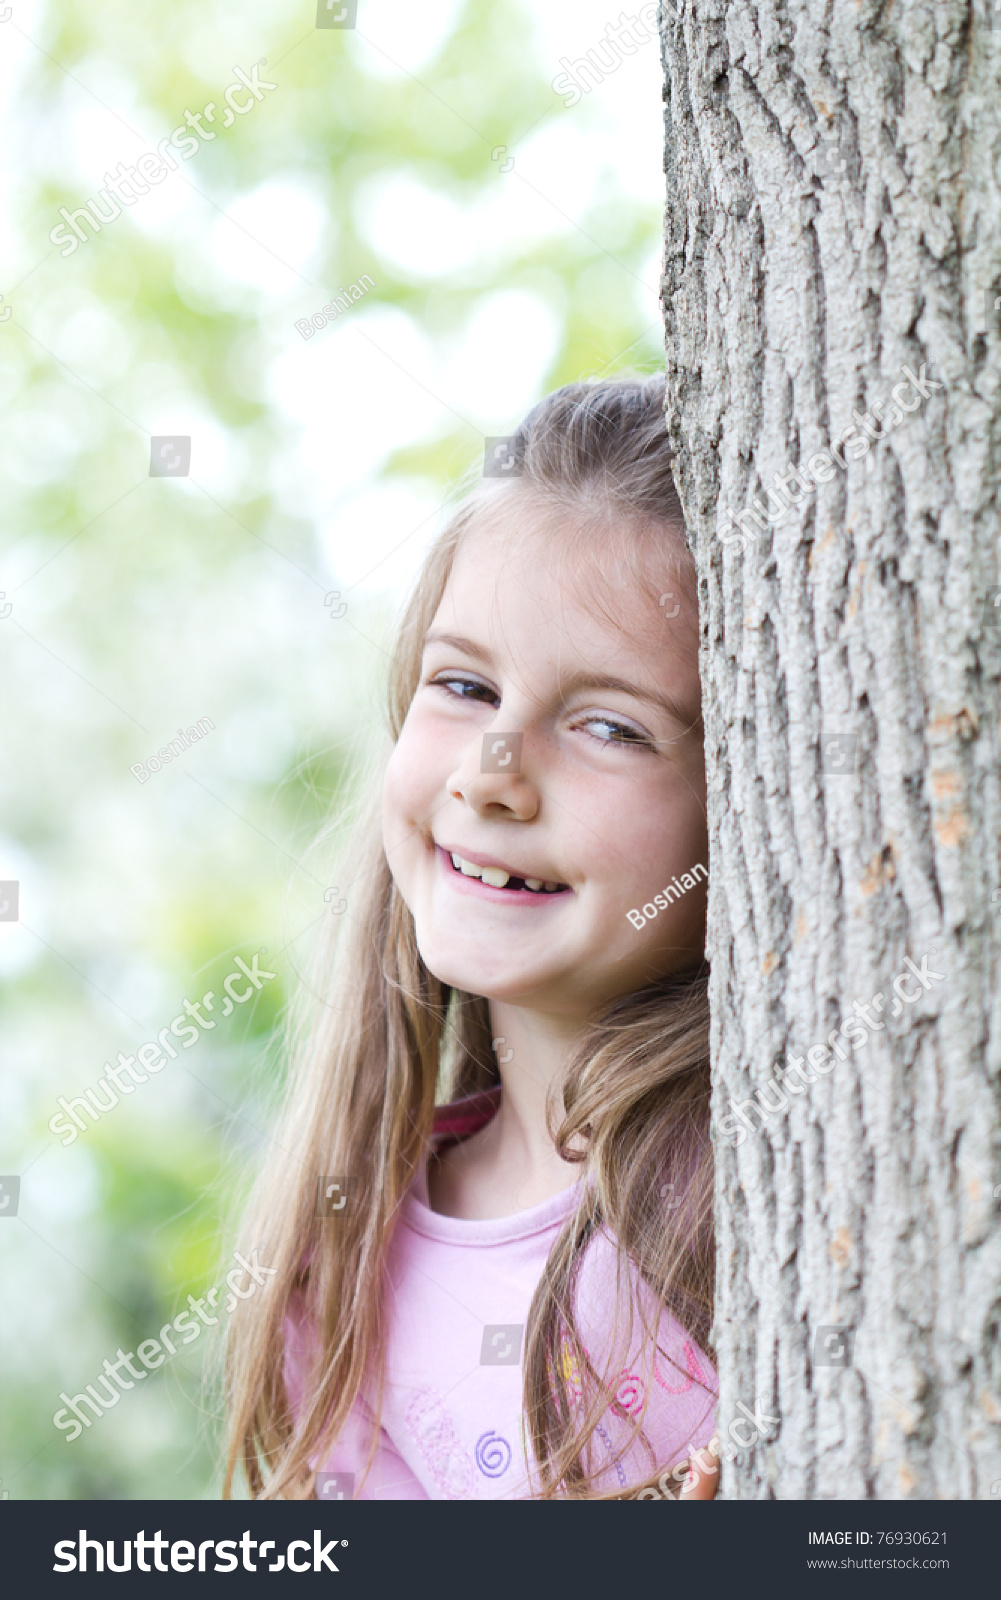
[(416, 774), (406, 762), (400, 799)]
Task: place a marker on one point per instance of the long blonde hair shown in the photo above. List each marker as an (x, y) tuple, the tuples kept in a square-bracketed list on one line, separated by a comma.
[(388, 1041)]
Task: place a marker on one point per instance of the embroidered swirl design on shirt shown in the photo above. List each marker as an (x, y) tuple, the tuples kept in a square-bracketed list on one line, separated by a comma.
[(630, 1394), (493, 1454), (630, 1390), (692, 1368)]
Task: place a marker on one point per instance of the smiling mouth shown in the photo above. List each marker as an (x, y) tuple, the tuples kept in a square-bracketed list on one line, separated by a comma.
[(498, 878)]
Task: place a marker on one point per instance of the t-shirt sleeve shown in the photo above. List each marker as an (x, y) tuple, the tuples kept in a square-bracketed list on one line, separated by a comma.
[(668, 1382), (345, 1473), (684, 1390)]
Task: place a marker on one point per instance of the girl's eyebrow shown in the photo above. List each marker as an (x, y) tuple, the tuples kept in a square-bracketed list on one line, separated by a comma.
[(591, 680), (570, 685), (458, 641)]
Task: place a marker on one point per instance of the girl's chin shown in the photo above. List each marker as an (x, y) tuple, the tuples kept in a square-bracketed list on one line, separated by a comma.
[(460, 969)]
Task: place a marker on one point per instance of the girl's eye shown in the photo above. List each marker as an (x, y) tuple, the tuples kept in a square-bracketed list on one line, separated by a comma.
[(620, 732), (464, 688), (605, 730)]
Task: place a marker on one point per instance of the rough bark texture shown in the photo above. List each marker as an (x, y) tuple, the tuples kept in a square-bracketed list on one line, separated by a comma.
[(833, 215)]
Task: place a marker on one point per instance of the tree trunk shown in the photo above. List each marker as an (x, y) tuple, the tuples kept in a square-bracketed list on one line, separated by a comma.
[(833, 242)]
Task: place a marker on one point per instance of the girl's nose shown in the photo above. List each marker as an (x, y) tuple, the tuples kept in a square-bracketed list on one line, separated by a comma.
[(490, 777)]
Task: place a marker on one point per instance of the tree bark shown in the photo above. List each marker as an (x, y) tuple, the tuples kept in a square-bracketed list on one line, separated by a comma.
[(834, 221)]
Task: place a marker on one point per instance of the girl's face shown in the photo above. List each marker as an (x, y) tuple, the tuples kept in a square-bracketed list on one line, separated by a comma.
[(558, 747)]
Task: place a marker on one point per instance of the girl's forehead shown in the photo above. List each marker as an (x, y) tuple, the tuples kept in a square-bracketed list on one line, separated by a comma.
[(539, 556), (546, 595)]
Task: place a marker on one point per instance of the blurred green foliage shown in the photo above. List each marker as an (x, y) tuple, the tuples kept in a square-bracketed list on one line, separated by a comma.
[(140, 604)]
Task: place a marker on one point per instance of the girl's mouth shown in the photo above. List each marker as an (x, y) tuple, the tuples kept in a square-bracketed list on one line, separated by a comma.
[(495, 882)]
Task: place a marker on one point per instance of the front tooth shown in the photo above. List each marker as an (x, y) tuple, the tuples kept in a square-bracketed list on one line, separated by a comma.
[(469, 869), (496, 877), (533, 883), (551, 888)]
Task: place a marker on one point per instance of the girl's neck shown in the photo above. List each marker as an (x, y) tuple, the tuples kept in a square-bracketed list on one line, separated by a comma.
[(512, 1163)]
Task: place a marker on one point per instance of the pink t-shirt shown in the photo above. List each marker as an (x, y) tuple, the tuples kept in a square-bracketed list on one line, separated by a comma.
[(451, 1425)]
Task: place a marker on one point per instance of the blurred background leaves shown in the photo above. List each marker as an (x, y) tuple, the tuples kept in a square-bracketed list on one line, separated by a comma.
[(140, 604)]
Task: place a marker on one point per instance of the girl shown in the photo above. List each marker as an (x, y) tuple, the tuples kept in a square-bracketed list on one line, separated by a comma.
[(489, 1205)]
